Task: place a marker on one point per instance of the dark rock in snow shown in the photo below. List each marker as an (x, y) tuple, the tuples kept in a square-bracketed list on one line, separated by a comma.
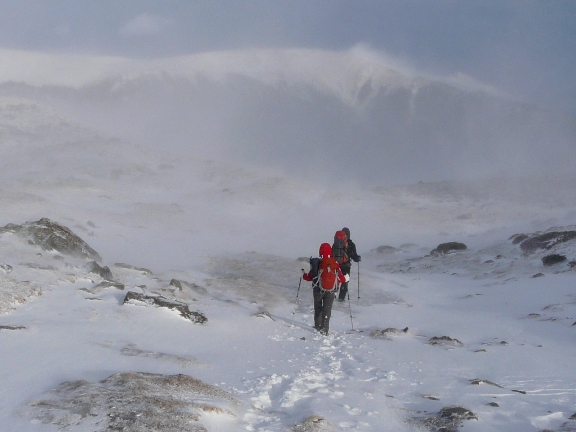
[(549, 260), (104, 272), (5, 268), (264, 314), (313, 424), (480, 381), (50, 235), (134, 402), (493, 404), (12, 327), (537, 275), (546, 240), (388, 333), (108, 284), (518, 238), (181, 285), (445, 248), (444, 340), (448, 419), (457, 413), (195, 317)]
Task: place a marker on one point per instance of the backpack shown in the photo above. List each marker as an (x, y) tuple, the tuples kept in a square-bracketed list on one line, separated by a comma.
[(328, 274), (339, 247)]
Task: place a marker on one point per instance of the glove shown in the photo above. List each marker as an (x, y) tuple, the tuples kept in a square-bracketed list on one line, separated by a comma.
[(359, 258), (347, 277)]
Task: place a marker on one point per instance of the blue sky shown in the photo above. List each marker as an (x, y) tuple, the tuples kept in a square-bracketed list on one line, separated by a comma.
[(524, 47)]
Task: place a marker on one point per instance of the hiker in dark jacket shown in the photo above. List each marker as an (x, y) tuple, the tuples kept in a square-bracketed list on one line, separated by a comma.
[(346, 266), (324, 295)]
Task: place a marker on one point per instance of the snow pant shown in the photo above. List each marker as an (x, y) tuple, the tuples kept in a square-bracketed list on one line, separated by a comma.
[(345, 267), (322, 309)]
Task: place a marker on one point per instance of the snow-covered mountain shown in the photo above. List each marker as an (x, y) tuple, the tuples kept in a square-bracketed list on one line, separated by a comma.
[(301, 112)]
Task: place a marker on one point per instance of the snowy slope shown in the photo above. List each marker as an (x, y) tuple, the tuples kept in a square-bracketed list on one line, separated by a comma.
[(510, 334)]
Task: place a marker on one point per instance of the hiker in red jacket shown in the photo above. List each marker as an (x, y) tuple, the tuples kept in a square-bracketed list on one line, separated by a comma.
[(326, 277)]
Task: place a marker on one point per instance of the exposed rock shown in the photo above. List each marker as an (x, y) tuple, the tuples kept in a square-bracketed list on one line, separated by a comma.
[(572, 264), (180, 284), (5, 268), (388, 333), (480, 381), (50, 235), (430, 397), (518, 238), (457, 413), (537, 275), (12, 327), (103, 272), (519, 391), (131, 267), (313, 424), (134, 402), (385, 250), (195, 317), (493, 404), (549, 260), (14, 292), (444, 340), (106, 284), (132, 350), (264, 314), (445, 248), (547, 240), (448, 419), (37, 266)]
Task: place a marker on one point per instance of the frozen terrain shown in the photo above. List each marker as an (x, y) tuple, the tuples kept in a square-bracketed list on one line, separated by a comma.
[(478, 339)]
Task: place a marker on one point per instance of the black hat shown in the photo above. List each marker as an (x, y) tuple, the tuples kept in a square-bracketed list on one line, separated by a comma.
[(347, 232)]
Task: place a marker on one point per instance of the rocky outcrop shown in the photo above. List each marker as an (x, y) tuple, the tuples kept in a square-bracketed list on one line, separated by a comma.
[(547, 240), (313, 424), (550, 260), (448, 419), (103, 272), (182, 285), (134, 402), (445, 341), (159, 301), (50, 235), (446, 248)]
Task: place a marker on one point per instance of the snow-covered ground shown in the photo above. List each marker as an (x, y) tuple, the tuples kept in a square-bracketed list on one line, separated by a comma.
[(489, 329)]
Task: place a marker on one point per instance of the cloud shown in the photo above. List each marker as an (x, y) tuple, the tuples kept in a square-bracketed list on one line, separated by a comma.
[(143, 24)]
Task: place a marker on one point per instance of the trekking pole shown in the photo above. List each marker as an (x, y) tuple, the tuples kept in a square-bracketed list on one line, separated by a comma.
[(358, 280), (350, 307), (297, 294)]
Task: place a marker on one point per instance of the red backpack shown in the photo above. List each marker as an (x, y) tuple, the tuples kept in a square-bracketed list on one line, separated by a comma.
[(328, 274), (339, 247)]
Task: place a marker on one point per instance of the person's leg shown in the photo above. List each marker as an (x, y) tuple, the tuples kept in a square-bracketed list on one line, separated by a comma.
[(327, 311), (345, 267), (343, 291), (318, 295)]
